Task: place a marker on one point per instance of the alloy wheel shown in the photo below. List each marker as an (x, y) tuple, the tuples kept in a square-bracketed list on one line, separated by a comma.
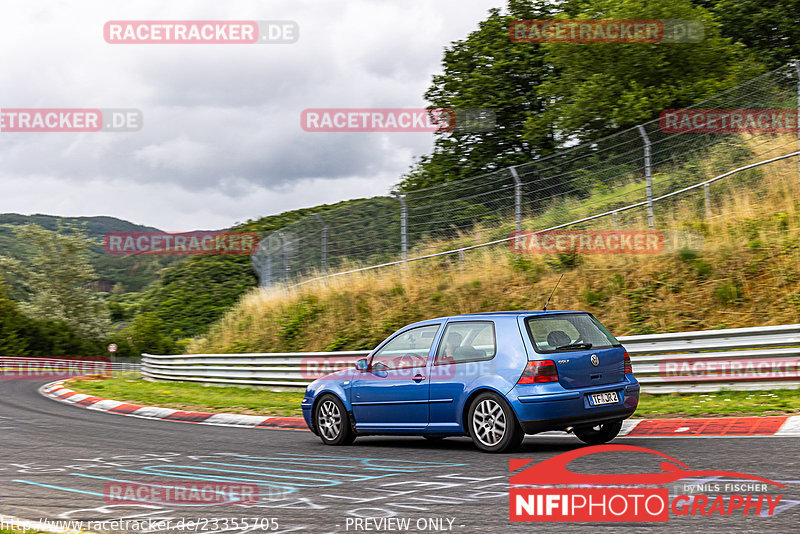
[(489, 422), (330, 420)]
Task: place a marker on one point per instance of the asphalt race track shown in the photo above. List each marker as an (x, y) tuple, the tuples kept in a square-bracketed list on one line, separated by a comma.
[(57, 459)]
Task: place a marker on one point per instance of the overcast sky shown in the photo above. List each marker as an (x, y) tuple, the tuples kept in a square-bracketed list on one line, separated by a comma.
[(222, 140)]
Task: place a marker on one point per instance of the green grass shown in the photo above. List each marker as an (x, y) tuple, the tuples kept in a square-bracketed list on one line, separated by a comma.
[(720, 403), (266, 401), (193, 397)]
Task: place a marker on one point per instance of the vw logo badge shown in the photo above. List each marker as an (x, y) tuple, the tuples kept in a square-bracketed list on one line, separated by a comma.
[(595, 360)]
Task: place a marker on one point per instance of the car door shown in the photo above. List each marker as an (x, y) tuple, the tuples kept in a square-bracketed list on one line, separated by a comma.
[(465, 353), (392, 393)]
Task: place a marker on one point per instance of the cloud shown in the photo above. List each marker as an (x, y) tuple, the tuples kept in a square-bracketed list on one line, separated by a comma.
[(221, 140)]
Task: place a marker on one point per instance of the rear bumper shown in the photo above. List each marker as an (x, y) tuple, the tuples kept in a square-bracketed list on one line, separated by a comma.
[(550, 407), (562, 423)]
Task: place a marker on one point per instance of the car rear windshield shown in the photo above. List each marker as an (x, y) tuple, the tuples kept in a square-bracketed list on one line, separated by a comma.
[(566, 332)]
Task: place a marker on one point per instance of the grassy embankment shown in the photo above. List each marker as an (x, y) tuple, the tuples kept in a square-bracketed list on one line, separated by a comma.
[(746, 274)]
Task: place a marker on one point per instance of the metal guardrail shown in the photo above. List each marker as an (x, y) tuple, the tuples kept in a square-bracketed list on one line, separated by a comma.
[(710, 360), (271, 369)]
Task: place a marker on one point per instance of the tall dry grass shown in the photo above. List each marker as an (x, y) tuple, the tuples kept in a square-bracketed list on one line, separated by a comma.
[(745, 274)]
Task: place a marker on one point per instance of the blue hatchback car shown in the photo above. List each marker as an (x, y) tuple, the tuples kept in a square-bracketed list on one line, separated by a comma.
[(492, 376)]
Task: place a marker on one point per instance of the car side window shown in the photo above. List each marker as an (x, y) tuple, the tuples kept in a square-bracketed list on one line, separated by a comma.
[(409, 349), (466, 341)]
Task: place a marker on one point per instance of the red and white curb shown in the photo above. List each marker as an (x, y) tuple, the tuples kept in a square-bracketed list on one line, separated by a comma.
[(781, 426), (57, 391)]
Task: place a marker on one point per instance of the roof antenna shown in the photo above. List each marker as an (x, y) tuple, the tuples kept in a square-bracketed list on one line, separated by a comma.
[(551, 294)]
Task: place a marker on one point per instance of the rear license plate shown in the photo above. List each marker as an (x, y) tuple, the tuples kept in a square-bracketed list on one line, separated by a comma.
[(610, 397)]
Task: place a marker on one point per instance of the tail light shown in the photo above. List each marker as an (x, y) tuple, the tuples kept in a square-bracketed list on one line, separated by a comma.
[(539, 371), (627, 364)]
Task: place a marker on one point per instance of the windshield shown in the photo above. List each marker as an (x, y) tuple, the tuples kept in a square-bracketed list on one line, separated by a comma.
[(568, 332)]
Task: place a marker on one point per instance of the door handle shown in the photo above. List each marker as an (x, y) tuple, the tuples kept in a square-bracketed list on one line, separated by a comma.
[(418, 378)]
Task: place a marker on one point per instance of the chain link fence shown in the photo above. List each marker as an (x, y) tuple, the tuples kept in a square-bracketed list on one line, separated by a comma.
[(631, 167)]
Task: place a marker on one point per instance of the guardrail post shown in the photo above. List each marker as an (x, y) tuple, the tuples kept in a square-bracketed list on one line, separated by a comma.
[(324, 243), (648, 174), (517, 198), (403, 225)]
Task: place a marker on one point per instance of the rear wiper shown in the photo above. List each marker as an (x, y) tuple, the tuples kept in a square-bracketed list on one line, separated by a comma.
[(575, 346)]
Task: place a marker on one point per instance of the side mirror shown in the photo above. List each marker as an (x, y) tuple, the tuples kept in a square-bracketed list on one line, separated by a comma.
[(361, 364)]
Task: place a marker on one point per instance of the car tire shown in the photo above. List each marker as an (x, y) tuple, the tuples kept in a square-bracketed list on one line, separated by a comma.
[(332, 422), (492, 424), (599, 434)]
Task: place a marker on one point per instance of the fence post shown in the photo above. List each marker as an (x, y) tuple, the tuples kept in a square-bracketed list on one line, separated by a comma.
[(517, 198), (403, 225), (707, 194), (285, 255), (268, 278), (258, 260), (616, 220), (324, 243), (648, 174)]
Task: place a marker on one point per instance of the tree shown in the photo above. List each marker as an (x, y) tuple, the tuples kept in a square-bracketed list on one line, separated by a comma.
[(22, 336), (144, 335), (195, 293), (56, 276), (604, 88), (12, 323), (770, 28), (547, 96)]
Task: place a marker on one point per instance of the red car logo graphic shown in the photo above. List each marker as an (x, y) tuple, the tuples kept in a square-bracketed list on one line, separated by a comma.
[(554, 470)]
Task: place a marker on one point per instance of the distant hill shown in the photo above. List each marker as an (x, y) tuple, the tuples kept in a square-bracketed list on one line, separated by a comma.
[(193, 294), (95, 226), (134, 273)]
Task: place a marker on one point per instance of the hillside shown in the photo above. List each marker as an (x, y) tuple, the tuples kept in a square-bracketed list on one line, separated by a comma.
[(133, 273), (745, 275), (194, 293)]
